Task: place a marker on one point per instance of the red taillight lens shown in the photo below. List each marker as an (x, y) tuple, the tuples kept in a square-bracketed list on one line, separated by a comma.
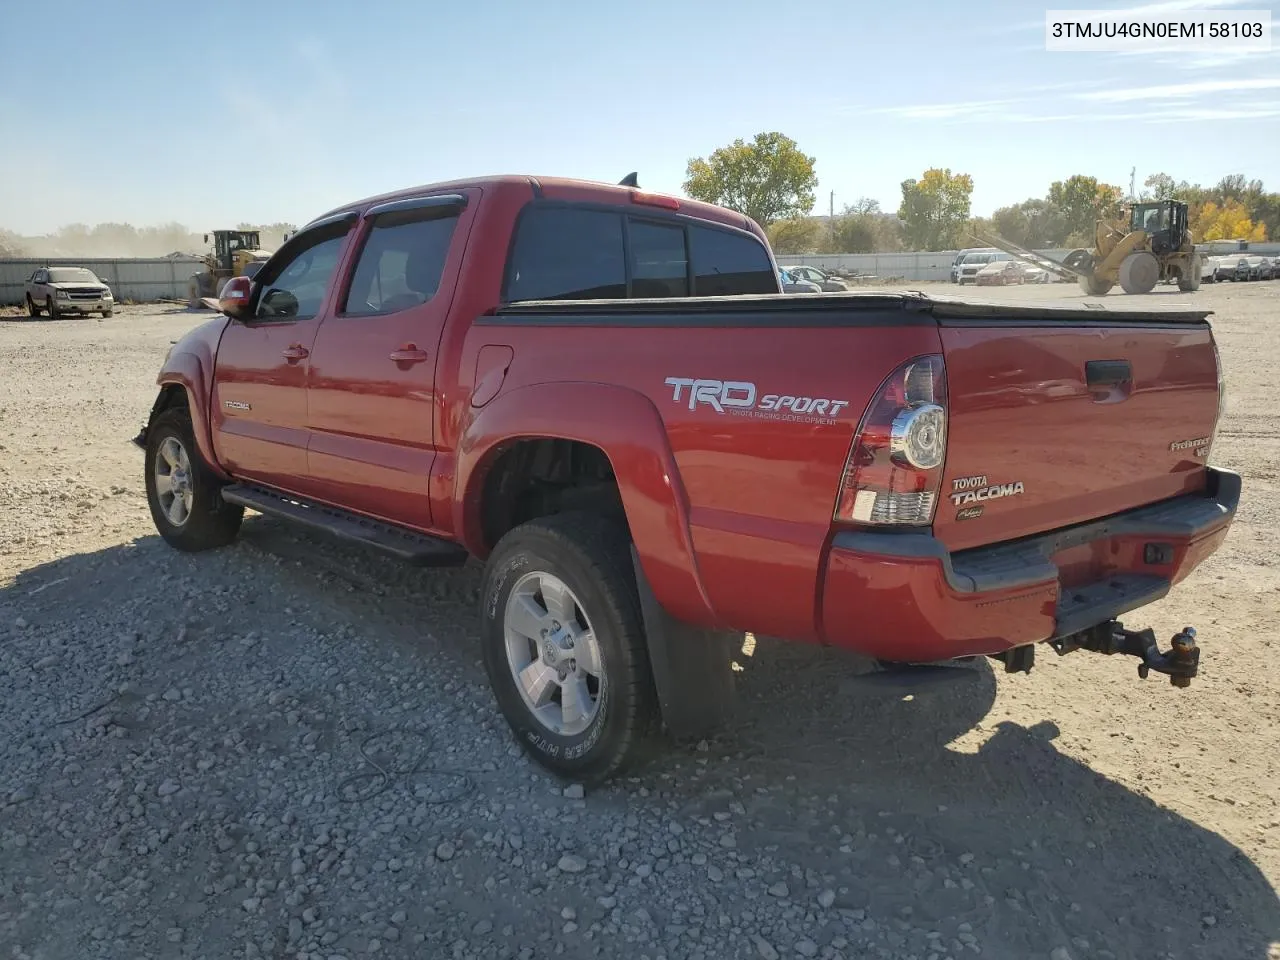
[(894, 470)]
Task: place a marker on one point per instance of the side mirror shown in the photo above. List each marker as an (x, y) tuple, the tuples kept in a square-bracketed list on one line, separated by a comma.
[(233, 299)]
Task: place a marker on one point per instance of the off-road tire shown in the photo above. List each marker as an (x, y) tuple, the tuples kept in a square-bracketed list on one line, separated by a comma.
[(1139, 273), (591, 554), (212, 521), (32, 309), (52, 306)]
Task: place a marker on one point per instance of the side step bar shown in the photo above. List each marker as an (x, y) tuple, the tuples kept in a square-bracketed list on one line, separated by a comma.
[(416, 548)]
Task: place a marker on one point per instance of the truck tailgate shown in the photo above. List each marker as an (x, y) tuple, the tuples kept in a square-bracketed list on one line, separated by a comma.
[(1070, 416)]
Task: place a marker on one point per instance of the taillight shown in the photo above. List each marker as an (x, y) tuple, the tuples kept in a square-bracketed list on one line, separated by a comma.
[(894, 470)]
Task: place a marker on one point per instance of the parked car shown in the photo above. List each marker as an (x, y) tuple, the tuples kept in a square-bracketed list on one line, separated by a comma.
[(59, 290), (1256, 267), (793, 284), (960, 259), (825, 281), (999, 273), (974, 262), (456, 370)]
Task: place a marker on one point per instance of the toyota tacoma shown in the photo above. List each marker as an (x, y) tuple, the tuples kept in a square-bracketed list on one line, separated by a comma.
[(602, 394)]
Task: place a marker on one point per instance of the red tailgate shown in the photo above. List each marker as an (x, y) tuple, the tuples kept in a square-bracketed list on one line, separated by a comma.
[(1058, 422)]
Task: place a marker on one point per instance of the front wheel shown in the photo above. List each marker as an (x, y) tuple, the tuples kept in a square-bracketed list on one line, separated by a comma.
[(51, 305), (564, 645), (184, 495), (32, 309)]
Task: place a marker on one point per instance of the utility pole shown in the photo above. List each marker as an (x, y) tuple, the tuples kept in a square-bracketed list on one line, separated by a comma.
[(1133, 184), (831, 219)]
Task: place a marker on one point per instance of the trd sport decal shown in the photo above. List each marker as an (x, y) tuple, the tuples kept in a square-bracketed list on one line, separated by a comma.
[(739, 398), (967, 490)]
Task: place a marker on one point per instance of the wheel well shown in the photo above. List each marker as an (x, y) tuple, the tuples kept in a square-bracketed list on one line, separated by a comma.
[(538, 477), (171, 395)]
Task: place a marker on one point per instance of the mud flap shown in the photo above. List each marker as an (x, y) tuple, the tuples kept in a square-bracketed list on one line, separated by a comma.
[(692, 667)]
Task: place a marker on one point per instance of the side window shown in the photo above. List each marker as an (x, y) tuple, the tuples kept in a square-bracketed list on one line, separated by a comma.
[(294, 289), (564, 253), (400, 265), (726, 263), (659, 263)]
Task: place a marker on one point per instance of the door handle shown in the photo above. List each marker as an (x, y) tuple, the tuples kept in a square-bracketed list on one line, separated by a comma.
[(409, 353), (295, 352)]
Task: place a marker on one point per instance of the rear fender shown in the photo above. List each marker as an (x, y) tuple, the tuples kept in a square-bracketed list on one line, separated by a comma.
[(627, 427)]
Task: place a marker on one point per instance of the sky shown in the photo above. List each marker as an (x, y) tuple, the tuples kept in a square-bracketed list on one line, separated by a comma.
[(280, 111)]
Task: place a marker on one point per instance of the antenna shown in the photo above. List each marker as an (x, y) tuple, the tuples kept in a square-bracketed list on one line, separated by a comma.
[(630, 180)]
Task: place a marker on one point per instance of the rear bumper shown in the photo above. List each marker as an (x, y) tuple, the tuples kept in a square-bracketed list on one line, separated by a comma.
[(903, 596)]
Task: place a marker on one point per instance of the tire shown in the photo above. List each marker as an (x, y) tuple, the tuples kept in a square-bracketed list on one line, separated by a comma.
[(32, 309), (1139, 273), (1094, 286), (107, 313), (51, 305), (207, 521), (585, 558)]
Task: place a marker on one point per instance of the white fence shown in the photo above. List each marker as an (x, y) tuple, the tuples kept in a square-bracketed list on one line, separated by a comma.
[(937, 266), (142, 280)]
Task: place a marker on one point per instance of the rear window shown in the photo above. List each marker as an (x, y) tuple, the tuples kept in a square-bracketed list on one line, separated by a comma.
[(659, 263), (577, 253), (728, 264), (562, 253)]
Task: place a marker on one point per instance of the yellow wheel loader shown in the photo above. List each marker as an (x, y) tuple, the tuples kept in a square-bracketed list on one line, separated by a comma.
[(235, 253), (1154, 245)]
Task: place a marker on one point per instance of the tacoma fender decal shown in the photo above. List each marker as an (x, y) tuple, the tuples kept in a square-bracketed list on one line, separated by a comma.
[(628, 428)]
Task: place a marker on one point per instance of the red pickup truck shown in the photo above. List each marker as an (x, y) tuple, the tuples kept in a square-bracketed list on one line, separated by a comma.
[(603, 394)]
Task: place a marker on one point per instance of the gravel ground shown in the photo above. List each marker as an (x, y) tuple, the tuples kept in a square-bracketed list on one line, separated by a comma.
[(288, 749)]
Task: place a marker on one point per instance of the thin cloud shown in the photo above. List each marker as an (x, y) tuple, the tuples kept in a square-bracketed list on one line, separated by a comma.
[(1181, 91)]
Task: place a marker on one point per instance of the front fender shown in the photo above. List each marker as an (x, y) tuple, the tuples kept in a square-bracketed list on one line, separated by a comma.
[(628, 428), (193, 374)]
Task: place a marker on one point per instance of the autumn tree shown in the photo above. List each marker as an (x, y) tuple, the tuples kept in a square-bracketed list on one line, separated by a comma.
[(1083, 200), (768, 179), (935, 209), (795, 235), (1230, 221)]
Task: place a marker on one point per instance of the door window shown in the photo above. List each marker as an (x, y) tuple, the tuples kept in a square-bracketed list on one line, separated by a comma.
[(294, 289), (400, 266)]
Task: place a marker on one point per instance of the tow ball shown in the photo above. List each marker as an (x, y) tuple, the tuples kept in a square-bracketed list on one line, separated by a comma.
[(1180, 663)]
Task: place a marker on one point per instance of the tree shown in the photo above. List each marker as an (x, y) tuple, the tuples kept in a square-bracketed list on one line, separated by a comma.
[(854, 233), (1227, 222), (796, 235), (935, 209), (1082, 200), (769, 179), (1036, 224)]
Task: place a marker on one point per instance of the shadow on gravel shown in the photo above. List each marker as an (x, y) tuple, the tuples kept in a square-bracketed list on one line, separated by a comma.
[(869, 792), (1031, 847)]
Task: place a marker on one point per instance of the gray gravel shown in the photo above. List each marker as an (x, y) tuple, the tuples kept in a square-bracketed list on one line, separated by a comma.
[(185, 746)]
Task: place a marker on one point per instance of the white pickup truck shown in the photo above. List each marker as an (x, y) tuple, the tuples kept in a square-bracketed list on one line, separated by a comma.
[(60, 290)]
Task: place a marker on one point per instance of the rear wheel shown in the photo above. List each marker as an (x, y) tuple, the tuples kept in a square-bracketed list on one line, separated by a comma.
[(1139, 273), (184, 495), (564, 645)]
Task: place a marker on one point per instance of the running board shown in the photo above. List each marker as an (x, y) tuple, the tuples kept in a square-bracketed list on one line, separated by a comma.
[(416, 548)]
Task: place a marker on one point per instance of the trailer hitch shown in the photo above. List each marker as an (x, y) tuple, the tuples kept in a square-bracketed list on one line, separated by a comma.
[(1180, 663)]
